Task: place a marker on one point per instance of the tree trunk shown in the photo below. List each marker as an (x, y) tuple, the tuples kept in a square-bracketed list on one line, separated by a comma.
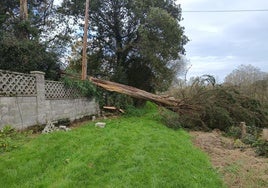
[(166, 101), (135, 92), (23, 10), (84, 54)]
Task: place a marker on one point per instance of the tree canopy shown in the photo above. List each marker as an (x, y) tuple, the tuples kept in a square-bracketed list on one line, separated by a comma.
[(250, 80), (21, 45), (138, 42), (245, 75)]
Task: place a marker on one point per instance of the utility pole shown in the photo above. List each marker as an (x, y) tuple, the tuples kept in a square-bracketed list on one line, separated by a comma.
[(84, 53)]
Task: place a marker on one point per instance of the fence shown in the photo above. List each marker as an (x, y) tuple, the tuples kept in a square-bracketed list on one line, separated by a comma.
[(29, 99), (17, 84), (58, 90)]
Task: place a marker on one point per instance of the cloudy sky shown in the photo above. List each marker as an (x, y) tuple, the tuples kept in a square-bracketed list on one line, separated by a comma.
[(221, 41)]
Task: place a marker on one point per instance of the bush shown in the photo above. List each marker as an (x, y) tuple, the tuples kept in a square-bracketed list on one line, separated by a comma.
[(10, 139), (84, 87), (261, 147), (170, 119), (6, 135), (217, 117), (234, 131), (249, 139), (219, 107)]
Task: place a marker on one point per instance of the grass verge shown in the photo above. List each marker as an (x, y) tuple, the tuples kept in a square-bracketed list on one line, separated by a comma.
[(132, 151)]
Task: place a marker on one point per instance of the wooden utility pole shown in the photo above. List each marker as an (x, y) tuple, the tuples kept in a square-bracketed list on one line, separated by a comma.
[(84, 53), (23, 10)]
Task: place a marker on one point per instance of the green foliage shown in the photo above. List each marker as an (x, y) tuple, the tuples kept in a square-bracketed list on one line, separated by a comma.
[(250, 139), (234, 131), (116, 99), (10, 139), (105, 98), (130, 37), (24, 55), (6, 135), (148, 108), (220, 107), (217, 117), (261, 147), (170, 119), (84, 87), (128, 152), (22, 44)]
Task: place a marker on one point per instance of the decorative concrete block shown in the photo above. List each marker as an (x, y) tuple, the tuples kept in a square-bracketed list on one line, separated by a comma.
[(100, 124)]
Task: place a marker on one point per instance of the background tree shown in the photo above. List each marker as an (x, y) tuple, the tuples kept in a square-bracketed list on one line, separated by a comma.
[(22, 46), (251, 81), (133, 42), (245, 75)]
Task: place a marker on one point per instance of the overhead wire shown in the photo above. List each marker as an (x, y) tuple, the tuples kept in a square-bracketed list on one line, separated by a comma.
[(222, 11)]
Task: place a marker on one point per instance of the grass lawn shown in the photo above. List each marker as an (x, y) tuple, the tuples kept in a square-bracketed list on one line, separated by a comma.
[(131, 151)]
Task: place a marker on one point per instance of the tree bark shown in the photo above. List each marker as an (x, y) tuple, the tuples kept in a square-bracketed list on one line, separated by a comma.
[(84, 53), (23, 10), (135, 92)]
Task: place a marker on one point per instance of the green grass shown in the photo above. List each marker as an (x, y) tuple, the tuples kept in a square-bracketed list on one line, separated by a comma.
[(131, 151)]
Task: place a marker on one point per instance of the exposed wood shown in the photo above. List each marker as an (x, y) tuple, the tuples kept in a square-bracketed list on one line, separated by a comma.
[(121, 110), (84, 53), (113, 108), (169, 102), (135, 92), (109, 107)]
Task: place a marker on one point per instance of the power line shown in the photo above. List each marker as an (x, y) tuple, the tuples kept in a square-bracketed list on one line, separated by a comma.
[(220, 11)]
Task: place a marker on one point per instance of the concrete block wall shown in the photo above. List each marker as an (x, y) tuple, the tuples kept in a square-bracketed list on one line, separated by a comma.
[(23, 111)]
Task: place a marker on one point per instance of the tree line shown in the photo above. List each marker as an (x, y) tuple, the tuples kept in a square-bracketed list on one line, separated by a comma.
[(138, 43)]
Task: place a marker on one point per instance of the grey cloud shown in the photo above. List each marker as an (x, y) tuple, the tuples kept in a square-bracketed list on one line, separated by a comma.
[(241, 35)]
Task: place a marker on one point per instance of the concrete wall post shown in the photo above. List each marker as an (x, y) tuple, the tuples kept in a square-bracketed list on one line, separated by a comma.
[(40, 98)]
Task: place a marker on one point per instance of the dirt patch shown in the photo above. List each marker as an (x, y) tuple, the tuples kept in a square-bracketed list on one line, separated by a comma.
[(240, 167)]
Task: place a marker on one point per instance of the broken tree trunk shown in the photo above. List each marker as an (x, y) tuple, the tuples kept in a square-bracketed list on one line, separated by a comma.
[(135, 92), (166, 101)]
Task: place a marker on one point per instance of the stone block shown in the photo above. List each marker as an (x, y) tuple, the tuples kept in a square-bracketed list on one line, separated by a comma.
[(100, 124)]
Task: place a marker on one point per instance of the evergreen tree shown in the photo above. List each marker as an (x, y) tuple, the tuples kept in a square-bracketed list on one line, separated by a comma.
[(135, 42), (21, 48)]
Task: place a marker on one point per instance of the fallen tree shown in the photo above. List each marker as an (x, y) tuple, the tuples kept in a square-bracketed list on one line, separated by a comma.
[(135, 92), (162, 100)]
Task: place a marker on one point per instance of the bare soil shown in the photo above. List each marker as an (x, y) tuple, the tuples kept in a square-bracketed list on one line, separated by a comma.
[(238, 165)]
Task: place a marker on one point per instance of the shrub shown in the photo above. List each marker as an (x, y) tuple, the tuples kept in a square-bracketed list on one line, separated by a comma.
[(249, 139), (219, 107), (234, 131), (85, 87), (10, 139), (6, 135), (171, 119), (261, 147)]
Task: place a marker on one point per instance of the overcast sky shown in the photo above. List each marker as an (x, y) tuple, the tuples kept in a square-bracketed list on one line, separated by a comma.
[(220, 42)]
